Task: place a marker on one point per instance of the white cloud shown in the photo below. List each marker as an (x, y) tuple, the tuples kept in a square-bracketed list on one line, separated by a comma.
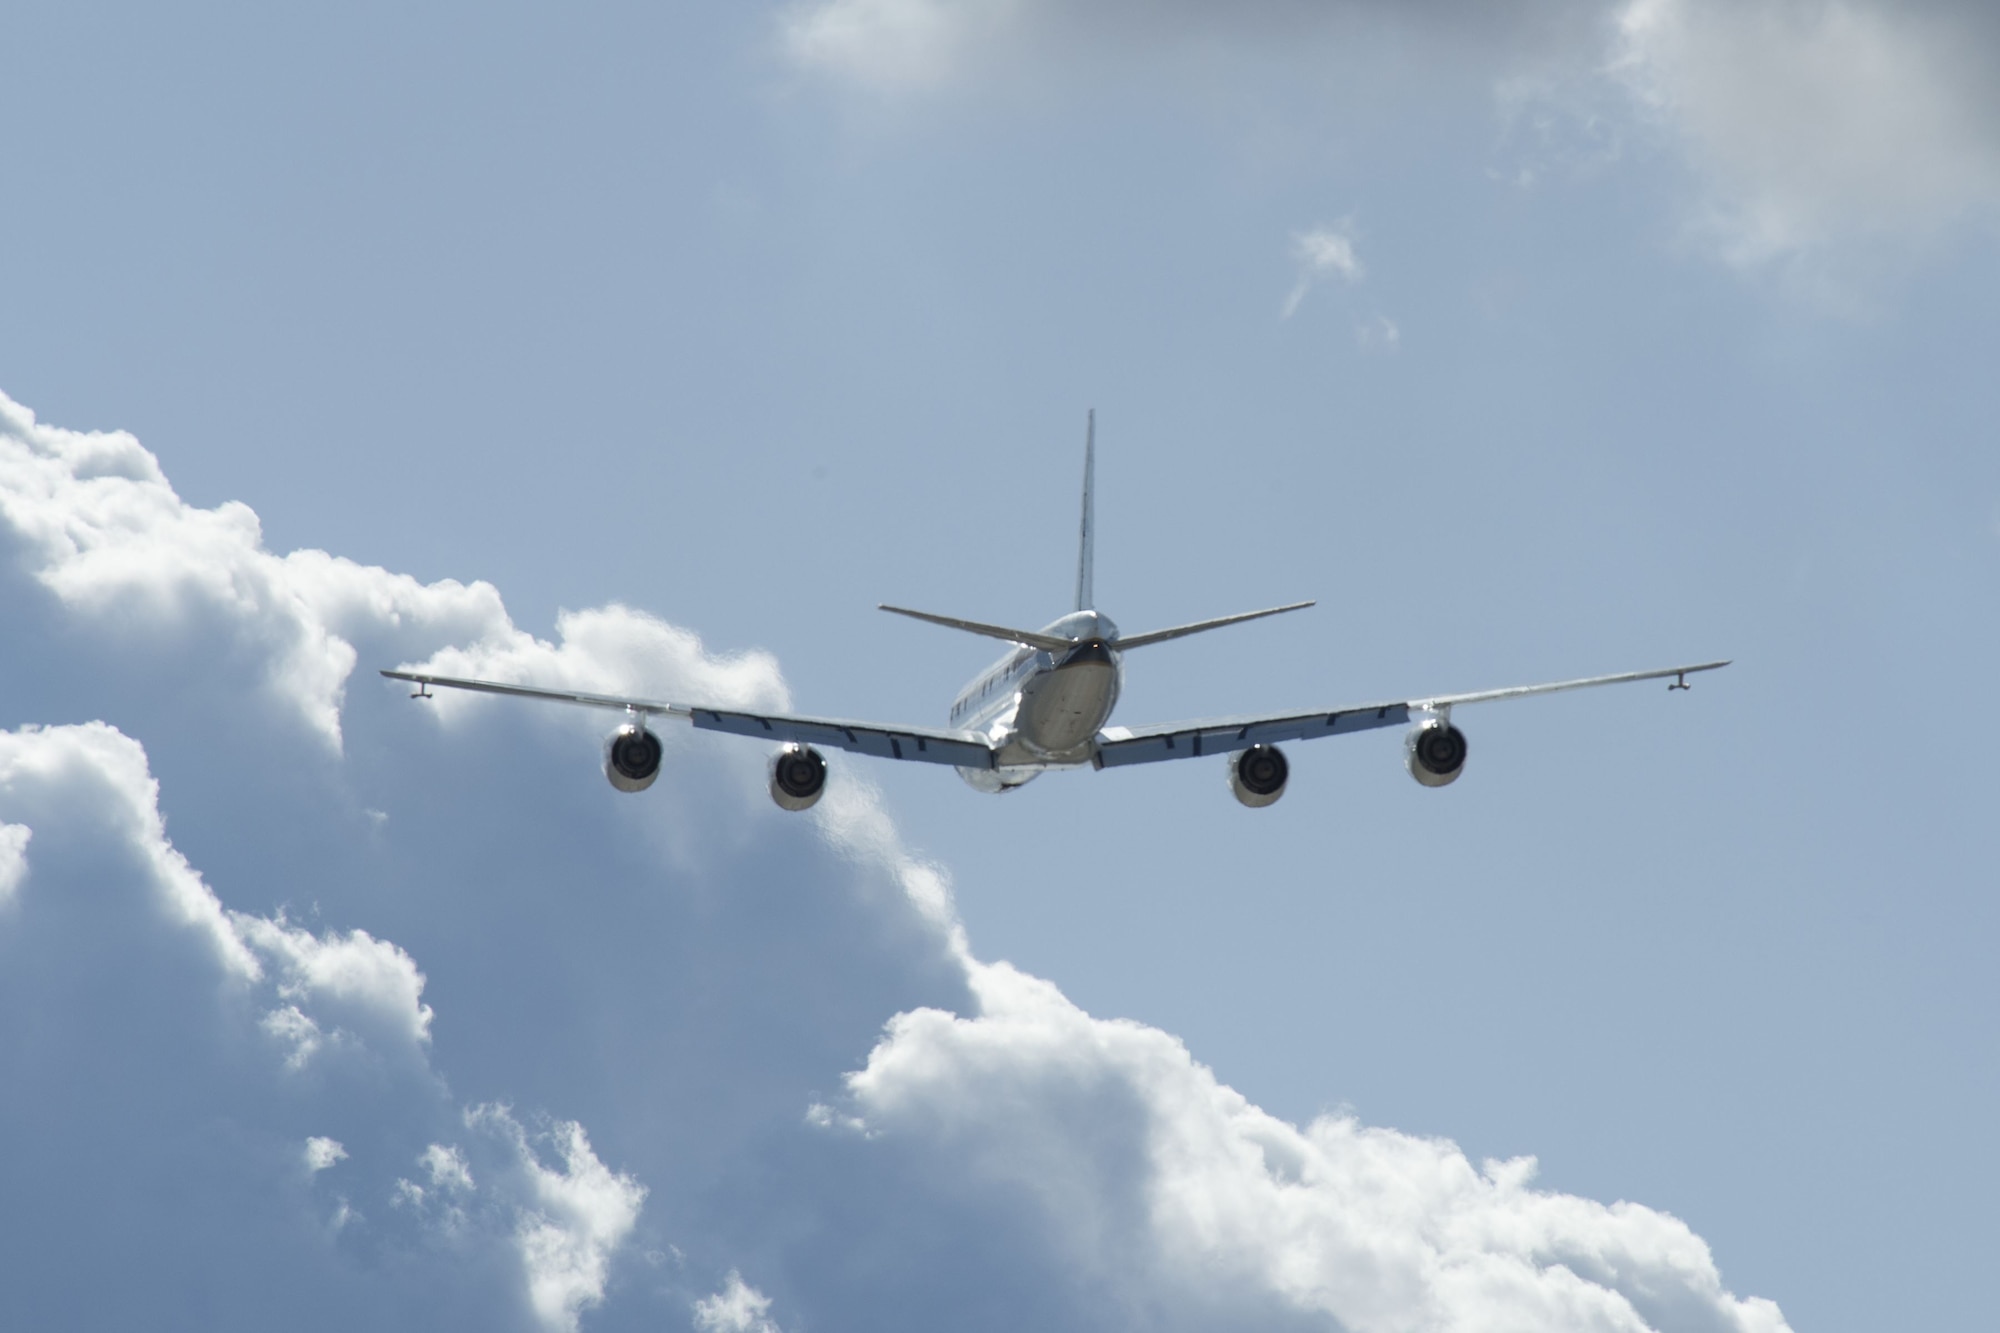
[(1166, 1184), (13, 858), (369, 981), (322, 1152), (1322, 253), (562, 1222), (895, 43), (299, 1034), (737, 1308), (149, 1079), (1817, 132), (99, 769), (1817, 122), (447, 1168), (572, 1220), (100, 526), (906, 45)]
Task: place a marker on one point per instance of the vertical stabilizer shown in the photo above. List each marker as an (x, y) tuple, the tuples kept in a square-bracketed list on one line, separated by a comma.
[(1086, 598)]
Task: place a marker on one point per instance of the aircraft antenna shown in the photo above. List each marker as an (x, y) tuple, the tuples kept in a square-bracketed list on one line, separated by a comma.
[(1086, 559)]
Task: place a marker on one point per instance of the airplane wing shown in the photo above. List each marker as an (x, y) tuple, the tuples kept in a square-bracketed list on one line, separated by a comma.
[(1117, 746), (927, 745)]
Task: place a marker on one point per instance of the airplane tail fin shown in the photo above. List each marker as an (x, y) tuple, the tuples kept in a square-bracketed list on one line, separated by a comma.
[(1086, 596)]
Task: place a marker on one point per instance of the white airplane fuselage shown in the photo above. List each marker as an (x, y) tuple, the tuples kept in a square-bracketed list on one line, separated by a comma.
[(1042, 710)]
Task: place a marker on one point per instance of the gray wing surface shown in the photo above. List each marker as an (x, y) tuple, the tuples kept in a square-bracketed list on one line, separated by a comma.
[(962, 749), (1117, 746)]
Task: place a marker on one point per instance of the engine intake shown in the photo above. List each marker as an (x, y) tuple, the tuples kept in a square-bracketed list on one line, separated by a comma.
[(632, 757), (1435, 753), (798, 777), (1257, 776)]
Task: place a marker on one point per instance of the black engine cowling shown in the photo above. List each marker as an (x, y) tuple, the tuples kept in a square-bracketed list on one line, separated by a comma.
[(1257, 776), (1435, 753), (632, 758), (798, 777)]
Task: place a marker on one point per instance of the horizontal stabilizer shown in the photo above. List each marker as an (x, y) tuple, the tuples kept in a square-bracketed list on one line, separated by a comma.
[(1182, 631), (1048, 643)]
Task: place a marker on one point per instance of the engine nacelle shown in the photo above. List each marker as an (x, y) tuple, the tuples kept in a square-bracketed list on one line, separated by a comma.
[(1435, 753), (1257, 776), (798, 777), (632, 757)]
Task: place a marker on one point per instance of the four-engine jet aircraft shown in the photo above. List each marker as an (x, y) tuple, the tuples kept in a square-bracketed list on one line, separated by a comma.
[(1044, 706)]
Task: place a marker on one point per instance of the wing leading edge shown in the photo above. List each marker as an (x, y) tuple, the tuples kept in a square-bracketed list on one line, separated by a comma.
[(1117, 746), (927, 745)]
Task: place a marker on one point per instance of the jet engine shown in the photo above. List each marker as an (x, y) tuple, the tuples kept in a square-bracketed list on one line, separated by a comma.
[(1435, 753), (798, 777), (632, 757), (1257, 775)]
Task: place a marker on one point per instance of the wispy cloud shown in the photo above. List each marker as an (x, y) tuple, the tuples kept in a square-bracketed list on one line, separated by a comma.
[(1322, 253), (1379, 332)]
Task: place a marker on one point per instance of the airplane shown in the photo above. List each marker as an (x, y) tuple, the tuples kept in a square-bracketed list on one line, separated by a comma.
[(1046, 705)]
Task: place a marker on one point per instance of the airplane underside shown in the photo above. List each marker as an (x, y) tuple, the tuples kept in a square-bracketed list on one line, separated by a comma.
[(1054, 721)]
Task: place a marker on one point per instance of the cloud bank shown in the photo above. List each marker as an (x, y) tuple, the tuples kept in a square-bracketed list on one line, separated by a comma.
[(1806, 127), (443, 1031), (1813, 124)]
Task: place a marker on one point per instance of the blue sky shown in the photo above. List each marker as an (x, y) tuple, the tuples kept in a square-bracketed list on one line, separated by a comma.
[(649, 347)]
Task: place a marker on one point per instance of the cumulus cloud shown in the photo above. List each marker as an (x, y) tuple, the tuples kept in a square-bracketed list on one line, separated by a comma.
[(371, 978), (98, 524), (106, 773), (101, 553), (1184, 1188), (447, 1168), (572, 1218), (13, 857), (520, 1038), (323, 1152), (737, 1308)]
